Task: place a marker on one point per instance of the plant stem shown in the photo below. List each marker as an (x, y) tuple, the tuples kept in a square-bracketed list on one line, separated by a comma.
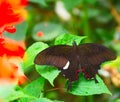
[(90, 98), (82, 99), (53, 89), (41, 95)]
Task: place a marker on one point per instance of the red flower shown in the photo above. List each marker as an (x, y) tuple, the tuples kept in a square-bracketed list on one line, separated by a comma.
[(11, 53), (12, 12), (10, 47)]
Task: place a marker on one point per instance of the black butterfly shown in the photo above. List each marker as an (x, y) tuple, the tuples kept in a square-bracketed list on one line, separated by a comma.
[(71, 60)]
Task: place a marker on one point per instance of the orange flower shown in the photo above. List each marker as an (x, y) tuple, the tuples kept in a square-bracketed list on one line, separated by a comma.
[(12, 12), (11, 53), (11, 47), (10, 71)]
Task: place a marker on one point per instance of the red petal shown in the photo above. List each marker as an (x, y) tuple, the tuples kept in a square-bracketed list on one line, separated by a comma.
[(11, 47), (10, 29)]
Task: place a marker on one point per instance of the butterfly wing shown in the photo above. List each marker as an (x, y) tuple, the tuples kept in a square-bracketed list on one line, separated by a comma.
[(62, 57), (55, 56), (91, 56)]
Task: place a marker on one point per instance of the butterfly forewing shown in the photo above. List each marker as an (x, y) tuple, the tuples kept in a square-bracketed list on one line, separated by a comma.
[(55, 56)]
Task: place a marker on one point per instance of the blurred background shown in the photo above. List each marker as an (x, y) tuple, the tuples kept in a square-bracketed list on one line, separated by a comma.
[(99, 20)]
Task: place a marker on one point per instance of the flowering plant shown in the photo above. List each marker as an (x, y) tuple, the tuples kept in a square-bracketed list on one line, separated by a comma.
[(11, 51)]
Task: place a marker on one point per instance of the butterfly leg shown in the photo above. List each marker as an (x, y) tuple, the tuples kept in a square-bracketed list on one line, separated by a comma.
[(96, 81), (69, 86)]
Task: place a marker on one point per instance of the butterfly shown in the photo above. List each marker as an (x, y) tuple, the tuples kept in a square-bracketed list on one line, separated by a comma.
[(72, 60)]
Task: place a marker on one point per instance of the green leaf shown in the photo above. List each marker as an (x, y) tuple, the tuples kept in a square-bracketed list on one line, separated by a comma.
[(68, 39), (31, 52), (43, 100), (46, 100), (41, 2), (9, 93), (90, 1), (57, 101), (70, 5), (50, 31), (33, 90), (20, 33), (48, 72), (115, 63), (85, 87), (118, 100), (35, 87)]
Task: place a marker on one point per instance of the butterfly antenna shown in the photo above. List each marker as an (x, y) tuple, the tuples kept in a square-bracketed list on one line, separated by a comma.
[(74, 43)]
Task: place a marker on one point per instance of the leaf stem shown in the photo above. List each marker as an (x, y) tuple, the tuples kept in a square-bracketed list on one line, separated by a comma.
[(41, 95), (53, 89)]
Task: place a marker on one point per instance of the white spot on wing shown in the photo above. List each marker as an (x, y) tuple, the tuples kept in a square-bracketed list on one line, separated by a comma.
[(66, 66)]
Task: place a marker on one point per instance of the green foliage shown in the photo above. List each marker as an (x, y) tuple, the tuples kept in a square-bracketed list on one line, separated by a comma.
[(33, 90), (114, 64), (68, 39), (85, 87), (70, 5), (9, 93), (50, 31), (43, 100), (41, 2), (36, 85), (30, 54), (118, 100), (48, 72)]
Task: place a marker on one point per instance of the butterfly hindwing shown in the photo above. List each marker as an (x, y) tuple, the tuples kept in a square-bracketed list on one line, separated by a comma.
[(91, 56)]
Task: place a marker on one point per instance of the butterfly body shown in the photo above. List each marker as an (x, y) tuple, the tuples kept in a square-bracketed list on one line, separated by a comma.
[(72, 60)]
